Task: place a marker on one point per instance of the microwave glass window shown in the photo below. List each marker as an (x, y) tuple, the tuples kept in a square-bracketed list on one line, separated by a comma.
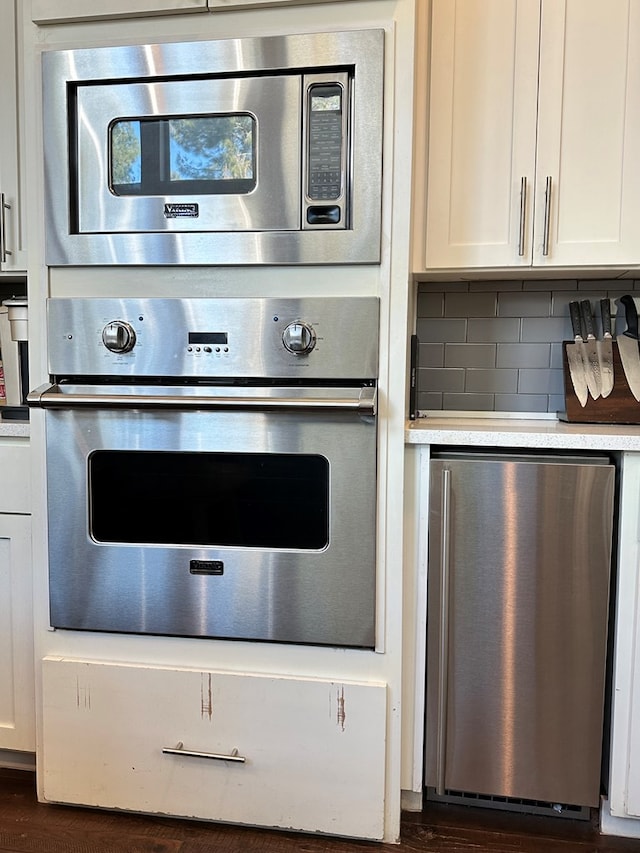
[(252, 500), (126, 155), (205, 155)]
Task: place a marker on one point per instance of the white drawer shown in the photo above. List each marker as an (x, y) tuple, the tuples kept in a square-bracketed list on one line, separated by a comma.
[(314, 750)]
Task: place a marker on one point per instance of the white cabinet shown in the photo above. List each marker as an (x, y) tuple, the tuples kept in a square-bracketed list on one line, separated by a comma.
[(589, 133), (624, 781), (220, 5), (313, 750), (62, 11), (16, 629), (533, 128), (12, 248), (482, 130), (17, 727)]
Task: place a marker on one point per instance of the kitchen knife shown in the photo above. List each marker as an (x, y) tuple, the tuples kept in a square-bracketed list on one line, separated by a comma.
[(605, 349), (574, 356), (594, 383), (628, 346)]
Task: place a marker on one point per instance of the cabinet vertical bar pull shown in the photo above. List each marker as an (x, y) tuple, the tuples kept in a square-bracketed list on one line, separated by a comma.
[(179, 749), (4, 252), (547, 216), (523, 214), (444, 633)]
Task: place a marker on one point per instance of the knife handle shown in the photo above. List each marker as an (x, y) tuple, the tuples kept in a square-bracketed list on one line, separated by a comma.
[(631, 316), (605, 313), (587, 319), (576, 322)]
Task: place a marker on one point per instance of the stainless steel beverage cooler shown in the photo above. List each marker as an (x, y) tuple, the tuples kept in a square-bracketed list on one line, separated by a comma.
[(519, 571)]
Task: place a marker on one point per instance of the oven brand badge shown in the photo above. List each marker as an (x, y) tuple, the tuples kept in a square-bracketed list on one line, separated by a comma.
[(189, 210), (206, 567)]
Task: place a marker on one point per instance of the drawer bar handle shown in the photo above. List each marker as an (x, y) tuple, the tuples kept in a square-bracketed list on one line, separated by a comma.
[(179, 749)]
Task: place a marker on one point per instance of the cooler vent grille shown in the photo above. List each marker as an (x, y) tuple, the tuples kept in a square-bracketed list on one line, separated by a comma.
[(514, 804)]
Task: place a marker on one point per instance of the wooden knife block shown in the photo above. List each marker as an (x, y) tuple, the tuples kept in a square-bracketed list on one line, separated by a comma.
[(620, 407)]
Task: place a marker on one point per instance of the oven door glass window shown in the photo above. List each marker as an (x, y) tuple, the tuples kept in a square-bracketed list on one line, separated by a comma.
[(254, 500), (210, 154)]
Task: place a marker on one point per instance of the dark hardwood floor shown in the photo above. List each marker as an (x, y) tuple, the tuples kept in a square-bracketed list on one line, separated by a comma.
[(27, 826)]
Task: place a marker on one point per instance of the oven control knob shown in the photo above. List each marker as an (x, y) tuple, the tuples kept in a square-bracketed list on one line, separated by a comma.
[(119, 336), (299, 338)]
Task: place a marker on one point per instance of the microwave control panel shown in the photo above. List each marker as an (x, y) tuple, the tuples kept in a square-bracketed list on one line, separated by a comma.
[(327, 122), (325, 142)]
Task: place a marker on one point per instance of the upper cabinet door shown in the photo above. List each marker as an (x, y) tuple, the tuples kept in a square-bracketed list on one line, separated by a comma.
[(481, 133), (588, 134), (503, 74), (46, 12), (64, 11), (12, 249)]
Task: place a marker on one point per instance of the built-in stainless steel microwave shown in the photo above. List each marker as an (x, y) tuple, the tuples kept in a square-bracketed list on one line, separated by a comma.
[(237, 151)]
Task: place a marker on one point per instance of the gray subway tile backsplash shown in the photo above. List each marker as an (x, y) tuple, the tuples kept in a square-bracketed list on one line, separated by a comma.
[(468, 402), (470, 304), (545, 330), (443, 331), (491, 381), (556, 356), (534, 305), (521, 402), (431, 355), (494, 286), (462, 355), (431, 305), (496, 346), (492, 330), (442, 379), (545, 284), (524, 355), (430, 400), (531, 381)]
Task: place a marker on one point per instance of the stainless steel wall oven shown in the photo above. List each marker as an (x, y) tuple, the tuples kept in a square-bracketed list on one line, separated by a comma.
[(238, 151), (212, 467)]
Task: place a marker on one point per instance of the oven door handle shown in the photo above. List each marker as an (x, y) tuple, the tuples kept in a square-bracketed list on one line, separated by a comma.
[(49, 396)]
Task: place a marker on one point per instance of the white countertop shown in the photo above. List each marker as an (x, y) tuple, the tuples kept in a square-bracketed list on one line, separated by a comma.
[(516, 432), (14, 428)]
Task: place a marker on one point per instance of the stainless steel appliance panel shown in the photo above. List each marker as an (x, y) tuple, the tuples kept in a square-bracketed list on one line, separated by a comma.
[(169, 337), (320, 593), (255, 233), (274, 103), (211, 467), (519, 564)]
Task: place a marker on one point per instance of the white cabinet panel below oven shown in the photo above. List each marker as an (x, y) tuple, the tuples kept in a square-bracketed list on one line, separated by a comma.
[(17, 704), (313, 750)]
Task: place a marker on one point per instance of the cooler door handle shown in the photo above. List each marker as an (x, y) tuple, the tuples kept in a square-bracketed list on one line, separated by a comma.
[(443, 663)]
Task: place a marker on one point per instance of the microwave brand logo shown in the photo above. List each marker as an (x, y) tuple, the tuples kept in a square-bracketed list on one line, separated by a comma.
[(176, 211)]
